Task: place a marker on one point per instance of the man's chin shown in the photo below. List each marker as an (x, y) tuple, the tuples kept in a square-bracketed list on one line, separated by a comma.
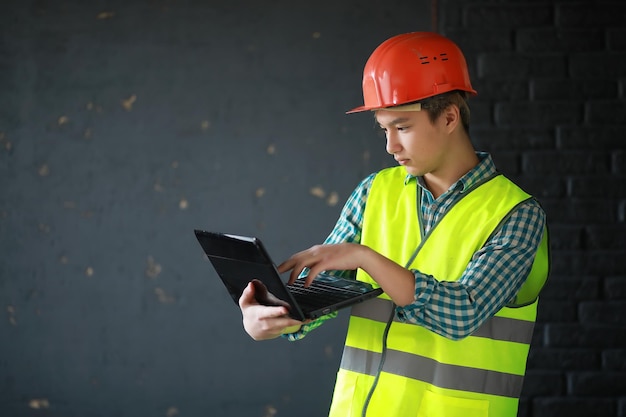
[(413, 171)]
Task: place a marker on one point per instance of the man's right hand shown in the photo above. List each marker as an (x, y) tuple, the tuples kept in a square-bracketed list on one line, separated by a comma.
[(264, 322)]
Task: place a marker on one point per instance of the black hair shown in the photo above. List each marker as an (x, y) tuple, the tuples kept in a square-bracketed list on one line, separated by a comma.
[(435, 106)]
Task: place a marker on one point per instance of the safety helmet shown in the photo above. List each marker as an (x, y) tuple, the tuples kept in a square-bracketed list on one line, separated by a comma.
[(411, 67)]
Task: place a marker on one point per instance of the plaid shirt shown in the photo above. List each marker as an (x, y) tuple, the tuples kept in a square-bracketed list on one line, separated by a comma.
[(454, 309)]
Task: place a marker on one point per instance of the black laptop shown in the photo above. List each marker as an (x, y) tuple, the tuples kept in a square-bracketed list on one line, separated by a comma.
[(239, 260)]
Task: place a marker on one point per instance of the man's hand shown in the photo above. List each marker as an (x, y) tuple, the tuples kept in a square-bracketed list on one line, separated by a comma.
[(397, 281), (318, 258), (264, 322)]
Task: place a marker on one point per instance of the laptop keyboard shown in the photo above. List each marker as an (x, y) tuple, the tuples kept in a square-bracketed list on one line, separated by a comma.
[(317, 294)]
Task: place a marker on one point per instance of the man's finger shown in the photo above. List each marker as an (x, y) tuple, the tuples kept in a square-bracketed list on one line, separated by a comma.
[(273, 312), (286, 266), (313, 272), (247, 296), (295, 273)]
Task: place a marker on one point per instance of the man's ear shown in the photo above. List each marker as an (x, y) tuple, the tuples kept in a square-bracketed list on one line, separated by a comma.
[(452, 116)]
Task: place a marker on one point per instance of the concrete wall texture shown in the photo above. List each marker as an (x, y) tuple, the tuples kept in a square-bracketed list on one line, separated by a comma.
[(125, 125)]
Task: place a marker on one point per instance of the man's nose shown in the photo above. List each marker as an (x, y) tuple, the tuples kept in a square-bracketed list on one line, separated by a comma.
[(393, 145)]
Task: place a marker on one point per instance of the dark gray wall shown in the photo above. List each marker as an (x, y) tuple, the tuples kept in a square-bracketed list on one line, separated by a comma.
[(124, 126), (551, 79)]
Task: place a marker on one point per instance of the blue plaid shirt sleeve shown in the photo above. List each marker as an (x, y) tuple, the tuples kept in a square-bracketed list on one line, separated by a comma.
[(455, 309)]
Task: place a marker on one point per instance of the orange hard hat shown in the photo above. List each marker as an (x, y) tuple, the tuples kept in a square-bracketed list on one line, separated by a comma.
[(412, 67)]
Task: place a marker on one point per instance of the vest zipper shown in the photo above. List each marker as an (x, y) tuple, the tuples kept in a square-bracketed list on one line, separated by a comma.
[(420, 222), (380, 364)]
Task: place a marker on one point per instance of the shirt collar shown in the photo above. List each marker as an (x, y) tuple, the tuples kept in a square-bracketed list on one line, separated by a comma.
[(482, 170)]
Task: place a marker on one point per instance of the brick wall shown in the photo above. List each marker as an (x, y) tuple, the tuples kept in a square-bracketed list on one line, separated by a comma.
[(551, 78)]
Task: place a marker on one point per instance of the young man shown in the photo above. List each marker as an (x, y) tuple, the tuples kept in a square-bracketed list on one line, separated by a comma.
[(459, 250)]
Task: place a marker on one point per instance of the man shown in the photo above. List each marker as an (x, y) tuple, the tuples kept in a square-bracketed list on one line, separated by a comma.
[(459, 250)]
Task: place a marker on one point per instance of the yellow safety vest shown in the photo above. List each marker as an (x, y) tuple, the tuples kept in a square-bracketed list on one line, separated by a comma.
[(397, 369)]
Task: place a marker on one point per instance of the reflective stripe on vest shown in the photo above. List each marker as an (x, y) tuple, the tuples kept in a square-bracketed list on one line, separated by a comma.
[(421, 372), (497, 328), (455, 377)]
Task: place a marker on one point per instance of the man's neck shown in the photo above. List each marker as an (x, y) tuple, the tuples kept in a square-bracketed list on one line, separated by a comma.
[(458, 164)]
